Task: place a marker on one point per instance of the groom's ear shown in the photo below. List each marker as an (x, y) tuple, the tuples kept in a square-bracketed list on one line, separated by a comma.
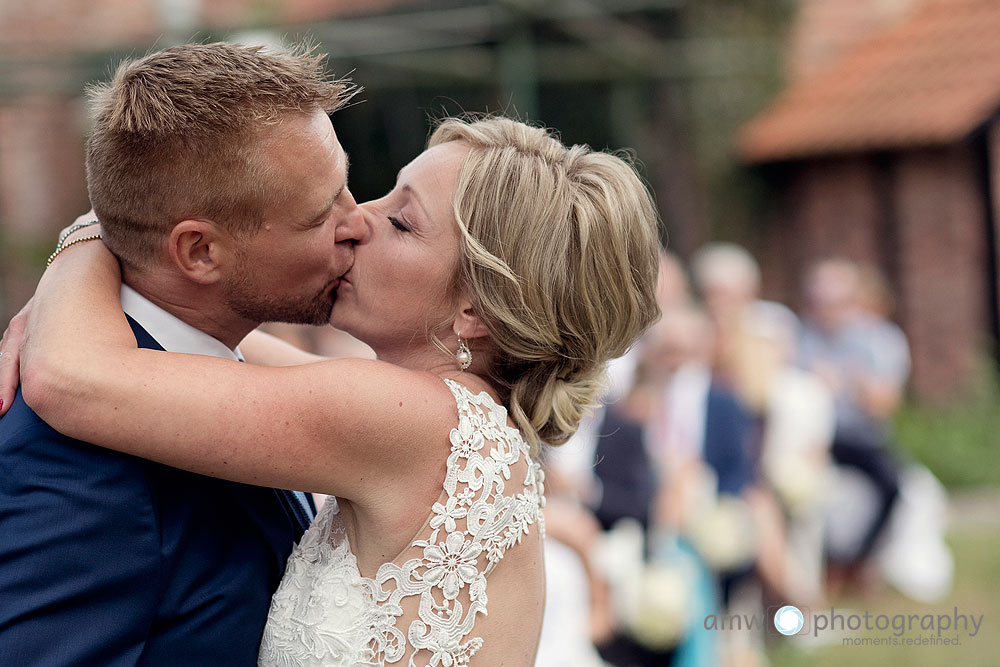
[(197, 248), (467, 324)]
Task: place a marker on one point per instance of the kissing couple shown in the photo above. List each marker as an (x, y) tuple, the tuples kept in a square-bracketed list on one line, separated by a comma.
[(144, 460)]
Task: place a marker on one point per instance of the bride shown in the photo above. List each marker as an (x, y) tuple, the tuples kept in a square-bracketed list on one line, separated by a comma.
[(494, 282)]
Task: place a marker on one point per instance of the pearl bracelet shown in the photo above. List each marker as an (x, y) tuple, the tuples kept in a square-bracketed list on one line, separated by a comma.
[(75, 228), (61, 247)]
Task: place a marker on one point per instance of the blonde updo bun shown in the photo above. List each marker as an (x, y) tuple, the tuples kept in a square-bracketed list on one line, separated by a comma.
[(559, 256)]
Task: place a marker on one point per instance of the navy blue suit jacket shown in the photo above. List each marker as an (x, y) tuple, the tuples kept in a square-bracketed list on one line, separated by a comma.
[(107, 559), (727, 433)]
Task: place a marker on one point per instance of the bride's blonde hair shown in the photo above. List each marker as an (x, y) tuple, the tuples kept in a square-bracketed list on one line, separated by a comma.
[(559, 256)]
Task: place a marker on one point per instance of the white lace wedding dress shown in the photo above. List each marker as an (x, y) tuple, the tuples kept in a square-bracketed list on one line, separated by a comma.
[(325, 613)]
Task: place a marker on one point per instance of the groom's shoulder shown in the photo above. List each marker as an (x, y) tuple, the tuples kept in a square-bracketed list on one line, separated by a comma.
[(27, 440), (21, 422)]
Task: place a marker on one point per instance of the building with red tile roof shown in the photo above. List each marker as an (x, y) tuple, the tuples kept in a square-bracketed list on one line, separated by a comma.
[(889, 152), (929, 80)]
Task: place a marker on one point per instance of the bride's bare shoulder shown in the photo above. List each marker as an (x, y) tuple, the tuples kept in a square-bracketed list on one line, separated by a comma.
[(386, 386)]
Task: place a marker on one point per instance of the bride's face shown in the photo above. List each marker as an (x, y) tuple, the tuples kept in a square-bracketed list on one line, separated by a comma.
[(400, 284)]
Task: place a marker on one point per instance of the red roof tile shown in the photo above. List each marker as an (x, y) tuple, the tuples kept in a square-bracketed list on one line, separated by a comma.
[(43, 28), (930, 79)]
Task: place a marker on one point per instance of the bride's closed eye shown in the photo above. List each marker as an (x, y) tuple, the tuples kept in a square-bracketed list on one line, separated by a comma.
[(399, 224)]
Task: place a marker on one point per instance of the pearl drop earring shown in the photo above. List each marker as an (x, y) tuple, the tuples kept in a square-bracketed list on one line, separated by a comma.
[(464, 355)]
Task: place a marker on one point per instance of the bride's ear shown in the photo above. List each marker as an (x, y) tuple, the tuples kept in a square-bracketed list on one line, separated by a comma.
[(467, 324)]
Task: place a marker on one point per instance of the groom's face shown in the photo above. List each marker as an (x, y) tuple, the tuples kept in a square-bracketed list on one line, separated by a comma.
[(289, 271)]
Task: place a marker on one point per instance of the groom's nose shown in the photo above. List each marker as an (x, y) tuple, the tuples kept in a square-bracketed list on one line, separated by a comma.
[(352, 227)]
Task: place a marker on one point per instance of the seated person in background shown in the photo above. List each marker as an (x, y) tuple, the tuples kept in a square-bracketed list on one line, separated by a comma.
[(864, 361), (728, 279), (695, 429), (670, 456), (798, 423)]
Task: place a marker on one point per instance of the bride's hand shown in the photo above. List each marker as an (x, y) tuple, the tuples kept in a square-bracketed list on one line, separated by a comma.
[(10, 357), (12, 342)]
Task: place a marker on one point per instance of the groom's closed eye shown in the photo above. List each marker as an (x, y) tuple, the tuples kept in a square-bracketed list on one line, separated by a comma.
[(321, 217), (347, 176)]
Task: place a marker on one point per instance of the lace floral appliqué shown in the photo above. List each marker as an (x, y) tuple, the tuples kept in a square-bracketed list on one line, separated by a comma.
[(326, 613)]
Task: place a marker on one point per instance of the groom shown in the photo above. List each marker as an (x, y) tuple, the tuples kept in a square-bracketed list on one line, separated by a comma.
[(222, 188)]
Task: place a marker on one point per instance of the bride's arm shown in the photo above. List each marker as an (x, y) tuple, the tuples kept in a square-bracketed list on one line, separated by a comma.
[(328, 427), (259, 347), (264, 349)]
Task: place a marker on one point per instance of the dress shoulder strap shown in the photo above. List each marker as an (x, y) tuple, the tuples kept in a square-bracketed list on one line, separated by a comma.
[(484, 510)]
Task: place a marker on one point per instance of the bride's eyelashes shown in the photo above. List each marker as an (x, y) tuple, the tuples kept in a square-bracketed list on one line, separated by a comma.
[(399, 224)]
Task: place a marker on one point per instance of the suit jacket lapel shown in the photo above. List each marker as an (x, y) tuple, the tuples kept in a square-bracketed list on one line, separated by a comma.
[(293, 508), (296, 513), (142, 337)]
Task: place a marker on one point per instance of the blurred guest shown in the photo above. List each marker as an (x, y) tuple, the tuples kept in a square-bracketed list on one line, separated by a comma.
[(578, 612), (728, 279), (696, 431), (605, 468), (864, 359), (689, 416), (571, 466), (917, 560), (795, 461), (703, 519), (882, 391)]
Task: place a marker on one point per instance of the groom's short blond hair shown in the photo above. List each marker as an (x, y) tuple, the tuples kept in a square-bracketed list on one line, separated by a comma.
[(176, 136)]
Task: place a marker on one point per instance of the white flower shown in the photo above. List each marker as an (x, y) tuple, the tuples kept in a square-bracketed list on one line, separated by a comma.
[(465, 439), (448, 514), (451, 564), (723, 533), (466, 497), (664, 610), (444, 647)]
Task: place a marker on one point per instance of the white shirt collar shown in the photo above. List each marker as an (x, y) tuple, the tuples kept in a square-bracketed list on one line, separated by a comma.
[(173, 334)]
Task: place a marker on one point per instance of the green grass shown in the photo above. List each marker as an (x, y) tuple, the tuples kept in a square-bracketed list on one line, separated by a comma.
[(959, 442), (976, 591)]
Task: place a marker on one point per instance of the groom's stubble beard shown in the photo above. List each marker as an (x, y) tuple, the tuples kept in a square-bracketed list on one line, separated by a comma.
[(255, 303)]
